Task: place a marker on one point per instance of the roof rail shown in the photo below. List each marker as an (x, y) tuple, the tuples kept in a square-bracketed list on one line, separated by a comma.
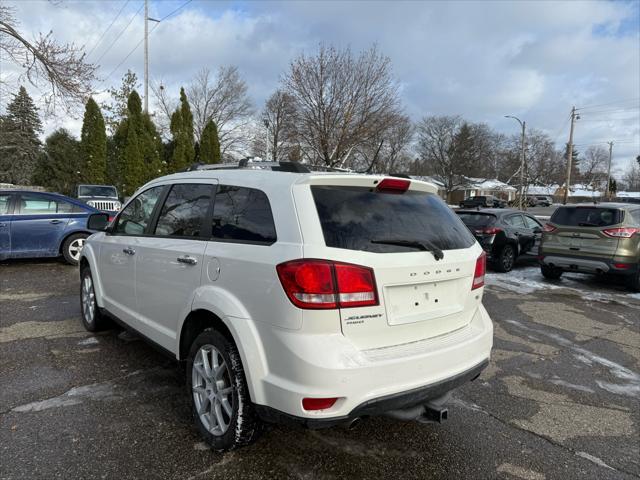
[(250, 164)]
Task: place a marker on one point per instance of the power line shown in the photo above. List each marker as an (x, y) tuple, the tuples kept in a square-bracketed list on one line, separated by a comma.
[(110, 25), (615, 110), (119, 36), (142, 39), (634, 99)]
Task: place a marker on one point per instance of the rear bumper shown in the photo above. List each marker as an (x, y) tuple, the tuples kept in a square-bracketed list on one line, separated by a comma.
[(366, 382), (377, 406), (580, 264)]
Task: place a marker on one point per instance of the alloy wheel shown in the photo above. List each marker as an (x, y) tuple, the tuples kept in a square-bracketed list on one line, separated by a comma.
[(212, 390), (88, 300), (75, 248)]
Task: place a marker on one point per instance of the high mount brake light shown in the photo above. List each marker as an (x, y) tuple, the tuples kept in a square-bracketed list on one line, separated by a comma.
[(322, 284), (481, 269), (623, 232), (549, 228), (393, 185)]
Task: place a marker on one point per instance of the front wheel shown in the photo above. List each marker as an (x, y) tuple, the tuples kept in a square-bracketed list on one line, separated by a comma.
[(92, 319), (550, 273), (72, 247), (222, 408)]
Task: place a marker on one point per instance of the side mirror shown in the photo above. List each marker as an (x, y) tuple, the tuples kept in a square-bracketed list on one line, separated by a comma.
[(537, 230), (98, 221)]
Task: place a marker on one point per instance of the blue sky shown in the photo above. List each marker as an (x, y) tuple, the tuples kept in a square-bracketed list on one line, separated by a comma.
[(482, 60)]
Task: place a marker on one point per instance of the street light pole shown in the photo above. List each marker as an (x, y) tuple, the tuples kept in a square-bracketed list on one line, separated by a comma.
[(608, 193), (523, 125)]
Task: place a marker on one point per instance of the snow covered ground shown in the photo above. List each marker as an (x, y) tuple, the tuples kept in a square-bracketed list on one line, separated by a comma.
[(528, 279)]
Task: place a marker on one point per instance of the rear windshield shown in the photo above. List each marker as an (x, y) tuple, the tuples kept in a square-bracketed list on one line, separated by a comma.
[(586, 216), (353, 217), (477, 220)]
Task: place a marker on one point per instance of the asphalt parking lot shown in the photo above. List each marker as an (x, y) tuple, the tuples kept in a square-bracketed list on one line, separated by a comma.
[(559, 400)]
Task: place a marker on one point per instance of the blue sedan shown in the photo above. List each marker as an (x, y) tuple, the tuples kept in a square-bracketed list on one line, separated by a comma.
[(38, 224)]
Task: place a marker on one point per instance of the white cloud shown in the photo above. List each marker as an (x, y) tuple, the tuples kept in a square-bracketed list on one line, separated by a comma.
[(478, 59)]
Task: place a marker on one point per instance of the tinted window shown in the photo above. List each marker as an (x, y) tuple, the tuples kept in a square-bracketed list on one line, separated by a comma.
[(477, 220), (532, 222), (133, 220), (515, 221), (242, 214), (586, 216), (31, 204), (184, 211), (97, 191), (4, 204), (351, 217)]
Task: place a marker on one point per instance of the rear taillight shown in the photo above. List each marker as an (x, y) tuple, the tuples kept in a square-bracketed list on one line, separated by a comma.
[(491, 231), (393, 185), (549, 228), (624, 232), (481, 269), (321, 284)]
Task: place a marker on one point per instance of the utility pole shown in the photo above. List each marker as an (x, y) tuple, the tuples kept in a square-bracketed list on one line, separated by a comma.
[(522, 160), (146, 56), (608, 193), (266, 122), (574, 117)]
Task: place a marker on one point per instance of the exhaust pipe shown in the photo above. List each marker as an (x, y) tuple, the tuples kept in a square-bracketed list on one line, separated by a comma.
[(354, 423)]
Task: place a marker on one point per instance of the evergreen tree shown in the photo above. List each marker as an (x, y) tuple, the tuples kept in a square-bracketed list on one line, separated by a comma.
[(59, 166), (116, 110), (20, 146), (209, 148), (182, 132), (575, 160), (93, 142), (137, 149)]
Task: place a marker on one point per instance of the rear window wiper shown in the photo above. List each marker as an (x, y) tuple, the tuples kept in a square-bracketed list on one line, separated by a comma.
[(587, 224), (419, 244)]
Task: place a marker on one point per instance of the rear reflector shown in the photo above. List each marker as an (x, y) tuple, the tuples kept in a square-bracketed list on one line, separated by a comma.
[(481, 269), (393, 185), (622, 266), (321, 284), (625, 232), (318, 403), (549, 228)]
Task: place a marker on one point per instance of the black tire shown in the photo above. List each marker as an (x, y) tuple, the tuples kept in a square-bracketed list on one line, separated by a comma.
[(633, 281), (238, 433), (92, 319), (72, 246), (550, 273), (505, 260)]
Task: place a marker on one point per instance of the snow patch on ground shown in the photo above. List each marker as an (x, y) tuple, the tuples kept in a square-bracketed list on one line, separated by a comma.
[(89, 341), (74, 396), (593, 459)]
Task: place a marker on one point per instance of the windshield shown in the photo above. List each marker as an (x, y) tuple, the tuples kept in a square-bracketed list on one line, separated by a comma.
[(586, 216), (477, 220), (97, 191), (356, 218)]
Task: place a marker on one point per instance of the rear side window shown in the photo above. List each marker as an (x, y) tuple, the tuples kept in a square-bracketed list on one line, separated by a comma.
[(184, 211), (4, 204), (242, 215), (477, 220), (351, 217), (586, 216), (532, 223), (515, 221)]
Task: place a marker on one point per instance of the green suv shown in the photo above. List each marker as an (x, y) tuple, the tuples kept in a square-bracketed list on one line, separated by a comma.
[(598, 239)]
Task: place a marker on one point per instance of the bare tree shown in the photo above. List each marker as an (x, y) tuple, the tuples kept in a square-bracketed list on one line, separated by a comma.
[(278, 116), (342, 101), (631, 177), (222, 98), (165, 106), (43, 61), (388, 151), (594, 166)]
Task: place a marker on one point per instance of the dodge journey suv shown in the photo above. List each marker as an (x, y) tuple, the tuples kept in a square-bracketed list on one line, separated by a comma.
[(599, 239), (295, 296)]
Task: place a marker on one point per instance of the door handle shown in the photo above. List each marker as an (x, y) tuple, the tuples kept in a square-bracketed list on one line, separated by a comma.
[(3, 224), (55, 222), (187, 259), (129, 251)]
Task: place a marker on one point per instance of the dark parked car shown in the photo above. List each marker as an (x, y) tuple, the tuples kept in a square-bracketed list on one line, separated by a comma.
[(37, 224), (539, 200), (483, 201), (504, 234)]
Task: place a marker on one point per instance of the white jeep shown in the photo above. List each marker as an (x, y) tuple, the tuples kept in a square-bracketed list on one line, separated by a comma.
[(295, 296)]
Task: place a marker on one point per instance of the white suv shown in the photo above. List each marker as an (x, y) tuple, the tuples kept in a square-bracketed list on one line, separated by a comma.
[(316, 298)]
